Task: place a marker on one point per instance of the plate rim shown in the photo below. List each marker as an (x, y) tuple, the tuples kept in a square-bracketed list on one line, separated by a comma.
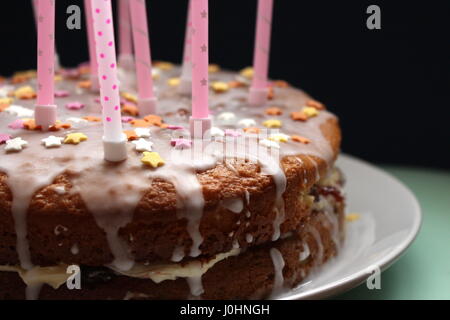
[(353, 280)]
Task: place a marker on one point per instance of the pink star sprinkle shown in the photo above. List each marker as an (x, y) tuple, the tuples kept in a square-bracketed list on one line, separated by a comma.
[(232, 133), (171, 127), (181, 143), (61, 94), (17, 124), (126, 119), (4, 137), (75, 105)]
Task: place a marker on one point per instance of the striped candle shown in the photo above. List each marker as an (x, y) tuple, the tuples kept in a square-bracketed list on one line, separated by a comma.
[(186, 68)]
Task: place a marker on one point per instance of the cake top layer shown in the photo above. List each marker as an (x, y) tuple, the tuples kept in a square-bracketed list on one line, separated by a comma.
[(159, 149)]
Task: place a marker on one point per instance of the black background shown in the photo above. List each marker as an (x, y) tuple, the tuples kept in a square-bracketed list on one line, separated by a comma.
[(390, 87)]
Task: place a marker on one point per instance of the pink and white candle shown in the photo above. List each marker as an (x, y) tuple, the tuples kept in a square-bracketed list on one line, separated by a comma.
[(200, 120), (259, 88), (45, 112), (114, 140), (91, 44), (186, 68), (141, 40), (125, 39)]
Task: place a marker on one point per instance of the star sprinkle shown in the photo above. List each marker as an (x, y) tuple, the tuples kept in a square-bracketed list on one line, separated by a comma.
[(19, 111), (4, 138), (274, 111), (232, 133), (75, 138), (15, 145), (213, 68), (226, 117), (152, 159), (93, 119), (5, 103), (140, 123), (173, 82), (300, 139), (245, 123), (216, 132), (130, 109), (269, 144), (270, 93), (4, 92), (280, 84), (156, 73), (142, 145), (252, 130), (247, 72), (181, 143), (220, 86), (299, 116), (173, 127), (75, 105), (52, 142), (16, 124), (131, 135), (126, 119), (163, 65), (86, 84), (154, 120), (30, 124), (272, 123), (59, 125), (279, 137), (76, 120), (129, 97), (315, 104), (61, 94), (310, 112), (142, 132), (25, 93), (236, 84)]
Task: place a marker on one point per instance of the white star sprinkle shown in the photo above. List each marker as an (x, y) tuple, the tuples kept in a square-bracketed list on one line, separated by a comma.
[(52, 142), (5, 90), (142, 145), (76, 120), (19, 111), (246, 123), (142, 132), (16, 144), (216, 132), (269, 144), (226, 117)]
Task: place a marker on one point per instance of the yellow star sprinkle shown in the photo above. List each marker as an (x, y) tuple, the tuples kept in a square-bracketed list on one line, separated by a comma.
[(25, 92), (247, 72), (310, 111), (272, 123), (352, 217), (129, 97), (280, 137), (219, 86), (75, 138), (163, 65), (173, 82), (152, 159), (213, 68)]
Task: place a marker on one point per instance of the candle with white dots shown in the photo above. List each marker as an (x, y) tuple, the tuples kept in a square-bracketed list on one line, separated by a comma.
[(141, 40), (45, 111), (114, 140), (259, 87), (200, 120), (91, 45)]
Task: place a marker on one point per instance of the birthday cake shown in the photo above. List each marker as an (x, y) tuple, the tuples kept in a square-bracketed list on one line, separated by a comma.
[(245, 214)]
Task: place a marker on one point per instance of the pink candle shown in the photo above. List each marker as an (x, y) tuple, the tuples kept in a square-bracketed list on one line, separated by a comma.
[(258, 91), (35, 9), (146, 97), (125, 41), (45, 114), (186, 69), (91, 45), (200, 88), (114, 141)]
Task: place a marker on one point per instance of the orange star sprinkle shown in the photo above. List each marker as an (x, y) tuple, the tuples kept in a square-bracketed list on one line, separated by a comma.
[(154, 120), (271, 93), (140, 123), (236, 84), (25, 93), (130, 109), (274, 111), (253, 130), (298, 116), (30, 124), (86, 84), (58, 126), (92, 119), (129, 97), (131, 135), (315, 104), (281, 84), (300, 139), (163, 65)]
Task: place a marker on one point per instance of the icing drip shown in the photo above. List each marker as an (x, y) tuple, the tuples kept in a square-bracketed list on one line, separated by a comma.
[(234, 205), (195, 285), (32, 291), (278, 265), (178, 254), (318, 239), (304, 254)]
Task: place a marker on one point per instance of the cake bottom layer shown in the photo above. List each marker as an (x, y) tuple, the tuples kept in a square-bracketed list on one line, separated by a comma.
[(259, 272)]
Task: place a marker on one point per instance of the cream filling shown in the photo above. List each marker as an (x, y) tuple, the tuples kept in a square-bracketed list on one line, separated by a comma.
[(56, 276)]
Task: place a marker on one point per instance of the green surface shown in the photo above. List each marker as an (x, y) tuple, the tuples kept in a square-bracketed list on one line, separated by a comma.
[(423, 272)]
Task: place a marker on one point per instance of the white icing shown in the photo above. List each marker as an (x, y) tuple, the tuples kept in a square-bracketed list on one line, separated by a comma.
[(278, 265)]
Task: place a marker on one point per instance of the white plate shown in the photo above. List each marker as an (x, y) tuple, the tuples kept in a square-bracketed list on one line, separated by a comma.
[(390, 220)]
